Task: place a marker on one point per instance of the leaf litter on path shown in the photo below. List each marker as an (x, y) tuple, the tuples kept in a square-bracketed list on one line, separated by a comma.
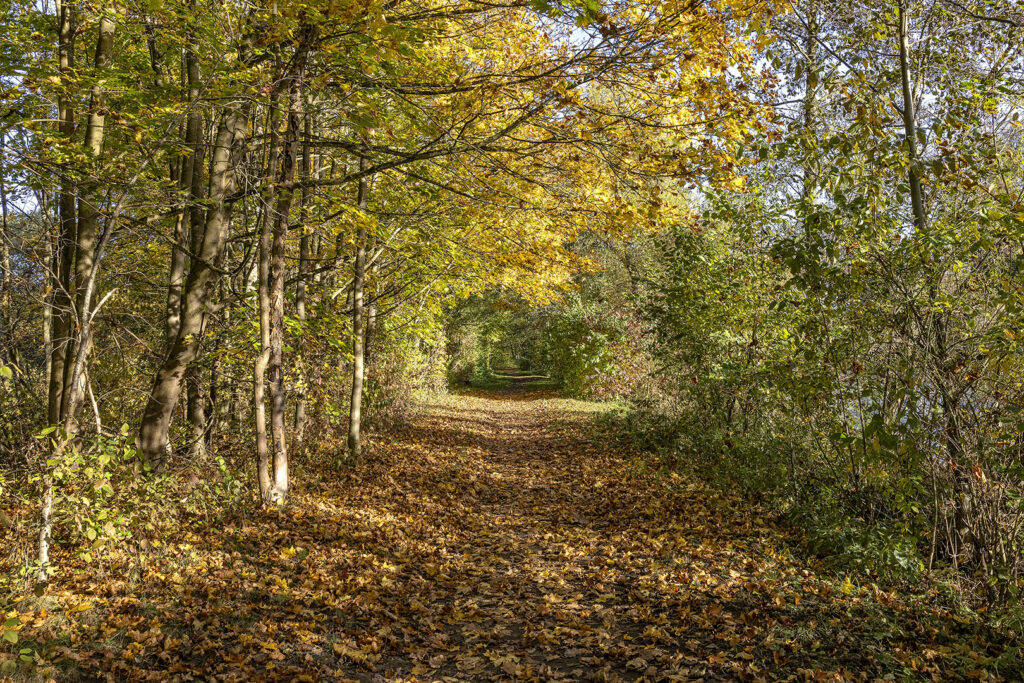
[(498, 537)]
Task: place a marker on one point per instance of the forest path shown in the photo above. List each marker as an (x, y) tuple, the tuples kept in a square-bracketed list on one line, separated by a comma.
[(507, 538), (501, 536)]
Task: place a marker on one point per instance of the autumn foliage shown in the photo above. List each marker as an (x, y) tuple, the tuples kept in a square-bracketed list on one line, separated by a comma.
[(545, 340)]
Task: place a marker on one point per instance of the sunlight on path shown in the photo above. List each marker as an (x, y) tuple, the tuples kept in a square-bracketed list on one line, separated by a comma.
[(501, 537)]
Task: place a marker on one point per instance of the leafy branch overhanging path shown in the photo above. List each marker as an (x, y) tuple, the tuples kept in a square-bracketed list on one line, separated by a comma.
[(501, 538)]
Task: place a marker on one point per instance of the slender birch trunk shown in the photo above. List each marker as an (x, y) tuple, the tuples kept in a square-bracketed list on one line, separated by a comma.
[(355, 449), (259, 372), (5, 247)]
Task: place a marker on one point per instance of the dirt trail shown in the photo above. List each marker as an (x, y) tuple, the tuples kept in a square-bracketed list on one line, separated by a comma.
[(500, 537)]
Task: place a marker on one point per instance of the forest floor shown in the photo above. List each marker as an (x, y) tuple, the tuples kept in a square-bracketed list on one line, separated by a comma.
[(501, 536)]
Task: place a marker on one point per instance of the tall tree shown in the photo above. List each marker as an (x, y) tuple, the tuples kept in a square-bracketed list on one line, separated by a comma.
[(228, 148), (355, 419)]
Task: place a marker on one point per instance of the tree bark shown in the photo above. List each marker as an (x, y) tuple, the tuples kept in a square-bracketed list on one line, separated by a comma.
[(5, 247), (810, 107), (910, 122), (279, 244), (153, 439), (191, 185), (88, 222), (259, 373), (300, 285), (370, 345), (196, 411), (63, 246), (45, 529), (47, 309), (355, 417)]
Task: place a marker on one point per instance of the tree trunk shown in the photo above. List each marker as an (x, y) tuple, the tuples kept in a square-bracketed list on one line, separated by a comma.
[(259, 372), (190, 184), (355, 450), (5, 247), (46, 211), (97, 418), (45, 529), (370, 346), (279, 244), (810, 110), (196, 412), (300, 287), (63, 246), (910, 122), (218, 407), (222, 391), (153, 439), (88, 221)]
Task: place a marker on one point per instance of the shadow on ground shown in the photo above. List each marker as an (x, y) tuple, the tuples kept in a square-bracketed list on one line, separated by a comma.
[(499, 539)]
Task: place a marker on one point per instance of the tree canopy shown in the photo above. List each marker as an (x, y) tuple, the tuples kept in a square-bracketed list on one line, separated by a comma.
[(778, 244)]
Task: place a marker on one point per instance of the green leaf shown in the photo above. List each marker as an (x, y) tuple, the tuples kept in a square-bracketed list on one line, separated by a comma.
[(542, 6)]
